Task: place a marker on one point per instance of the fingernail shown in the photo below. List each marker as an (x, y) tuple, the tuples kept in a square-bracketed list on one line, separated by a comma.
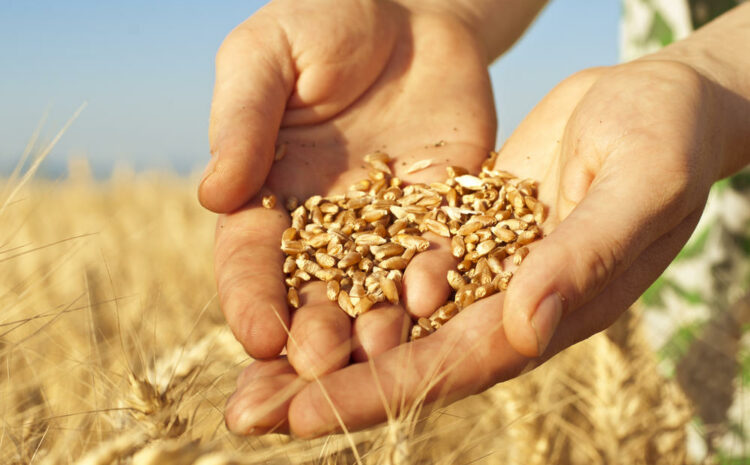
[(545, 320), (210, 168)]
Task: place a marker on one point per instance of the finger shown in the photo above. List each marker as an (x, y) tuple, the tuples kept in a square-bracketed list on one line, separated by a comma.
[(263, 368), (254, 79), (320, 334), (425, 286), (466, 356), (262, 399), (615, 221), (382, 328), (249, 278), (603, 310)]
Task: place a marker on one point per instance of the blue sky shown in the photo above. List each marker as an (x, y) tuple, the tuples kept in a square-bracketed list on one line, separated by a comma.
[(146, 70)]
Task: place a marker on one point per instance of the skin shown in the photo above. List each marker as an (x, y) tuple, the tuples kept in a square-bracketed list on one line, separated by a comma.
[(625, 157)]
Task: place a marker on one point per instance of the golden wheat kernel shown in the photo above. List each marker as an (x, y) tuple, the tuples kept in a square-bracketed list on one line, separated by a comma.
[(349, 259), (393, 263), (424, 323), (329, 274), (502, 215), (484, 290), (417, 332), (269, 201), (520, 255), (332, 290), (312, 202), (437, 227), (447, 311), (455, 279), (484, 235), (455, 171), (289, 265), (409, 253), (469, 228), (377, 186), (366, 265), (292, 297), (345, 303), (389, 249), (503, 234), (324, 260), (363, 305), (526, 237), (293, 247), (289, 234), (511, 248), (377, 156), (410, 240), (293, 282), (464, 266), (516, 199), (458, 247), (390, 290), (495, 264)]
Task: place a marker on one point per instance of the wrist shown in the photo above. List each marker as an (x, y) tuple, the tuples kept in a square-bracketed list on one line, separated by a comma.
[(725, 68), (496, 24)]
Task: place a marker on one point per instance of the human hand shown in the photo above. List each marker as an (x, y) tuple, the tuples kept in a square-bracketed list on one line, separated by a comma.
[(625, 157), (341, 79)]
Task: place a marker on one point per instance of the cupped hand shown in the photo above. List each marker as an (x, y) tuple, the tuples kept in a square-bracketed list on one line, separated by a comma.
[(333, 81), (624, 157)]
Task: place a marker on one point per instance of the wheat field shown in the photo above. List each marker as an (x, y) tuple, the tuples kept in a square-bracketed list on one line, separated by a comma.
[(113, 349)]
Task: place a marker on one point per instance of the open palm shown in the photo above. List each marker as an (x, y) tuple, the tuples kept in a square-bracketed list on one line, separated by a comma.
[(381, 77), (621, 157)]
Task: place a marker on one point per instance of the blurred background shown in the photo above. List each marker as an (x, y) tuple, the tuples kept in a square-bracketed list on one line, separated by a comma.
[(146, 70)]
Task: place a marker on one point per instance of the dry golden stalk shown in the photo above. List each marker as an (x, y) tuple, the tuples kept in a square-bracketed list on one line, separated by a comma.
[(269, 201)]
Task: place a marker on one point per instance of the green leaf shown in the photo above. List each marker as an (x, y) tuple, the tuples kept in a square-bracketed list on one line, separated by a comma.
[(744, 375), (740, 181), (660, 30), (653, 295), (695, 246), (678, 344), (691, 297)]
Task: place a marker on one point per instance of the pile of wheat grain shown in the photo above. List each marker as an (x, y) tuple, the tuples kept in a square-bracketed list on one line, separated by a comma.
[(113, 349)]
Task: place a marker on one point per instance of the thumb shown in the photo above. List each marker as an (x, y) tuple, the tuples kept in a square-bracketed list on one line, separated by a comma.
[(615, 221), (254, 78)]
